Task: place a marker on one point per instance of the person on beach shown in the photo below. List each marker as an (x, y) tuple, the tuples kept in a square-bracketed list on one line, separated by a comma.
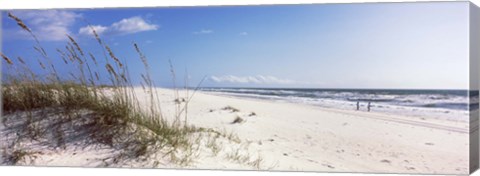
[(358, 105), (368, 107)]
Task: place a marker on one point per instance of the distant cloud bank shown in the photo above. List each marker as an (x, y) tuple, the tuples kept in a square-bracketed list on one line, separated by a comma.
[(258, 79)]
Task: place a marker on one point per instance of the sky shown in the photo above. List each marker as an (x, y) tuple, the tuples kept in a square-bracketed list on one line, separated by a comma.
[(379, 45)]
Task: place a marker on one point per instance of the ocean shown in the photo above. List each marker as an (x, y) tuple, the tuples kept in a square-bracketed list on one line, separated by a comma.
[(447, 104)]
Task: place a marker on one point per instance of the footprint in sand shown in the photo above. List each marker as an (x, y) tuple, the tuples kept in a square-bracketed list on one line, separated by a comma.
[(308, 136), (410, 168), (386, 161), (329, 166)]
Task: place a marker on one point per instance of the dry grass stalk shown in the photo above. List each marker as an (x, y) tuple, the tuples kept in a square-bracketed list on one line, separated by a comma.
[(112, 55), (75, 44), (21, 60), (19, 22), (114, 111)]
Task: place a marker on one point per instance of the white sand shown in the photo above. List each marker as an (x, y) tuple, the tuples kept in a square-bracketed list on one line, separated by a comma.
[(308, 138)]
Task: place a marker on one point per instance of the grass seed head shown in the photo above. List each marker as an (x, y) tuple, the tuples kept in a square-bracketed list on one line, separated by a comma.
[(19, 22), (8, 60)]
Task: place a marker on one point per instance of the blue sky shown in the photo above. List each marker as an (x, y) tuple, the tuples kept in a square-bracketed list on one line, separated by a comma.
[(389, 45)]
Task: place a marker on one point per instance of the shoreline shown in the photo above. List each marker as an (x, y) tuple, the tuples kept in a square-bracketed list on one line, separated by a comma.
[(342, 110)]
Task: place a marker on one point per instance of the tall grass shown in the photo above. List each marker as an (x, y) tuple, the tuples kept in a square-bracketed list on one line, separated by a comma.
[(115, 108), (60, 107)]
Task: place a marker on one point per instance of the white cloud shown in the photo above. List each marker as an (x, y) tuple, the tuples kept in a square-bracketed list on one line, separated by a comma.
[(259, 79), (125, 26), (132, 25), (87, 30), (203, 31), (243, 33), (47, 25)]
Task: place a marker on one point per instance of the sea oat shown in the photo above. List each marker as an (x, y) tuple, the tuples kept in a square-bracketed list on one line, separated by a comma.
[(93, 58), (75, 44), (75, 95), (19, 22), (142, 57), (9, 61), (69, 55), (110, 69), (21, 60), (110, 52), (24, 27), (73, 76), (41, 51), (64, 60), (62, 55), (123, 77), (41, 64), (145, 79), (72, 51), (97, 37), (96, 75)]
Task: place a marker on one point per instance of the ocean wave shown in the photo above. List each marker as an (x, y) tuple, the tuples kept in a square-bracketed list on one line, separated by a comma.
[(436, 103)]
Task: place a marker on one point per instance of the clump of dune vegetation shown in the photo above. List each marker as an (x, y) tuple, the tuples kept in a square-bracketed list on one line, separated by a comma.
[(237, 119), (106, 112), (57, 109), (231, 109)]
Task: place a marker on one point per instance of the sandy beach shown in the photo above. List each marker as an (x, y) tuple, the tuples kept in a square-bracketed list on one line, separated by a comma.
[(285, 136), (282, 88)]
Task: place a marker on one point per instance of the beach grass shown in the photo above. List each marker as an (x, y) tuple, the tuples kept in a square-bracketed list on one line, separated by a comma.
[(115, 117), (97, 104)]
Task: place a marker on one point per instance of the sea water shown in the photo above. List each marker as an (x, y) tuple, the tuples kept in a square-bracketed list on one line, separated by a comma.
[(444, 104)]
